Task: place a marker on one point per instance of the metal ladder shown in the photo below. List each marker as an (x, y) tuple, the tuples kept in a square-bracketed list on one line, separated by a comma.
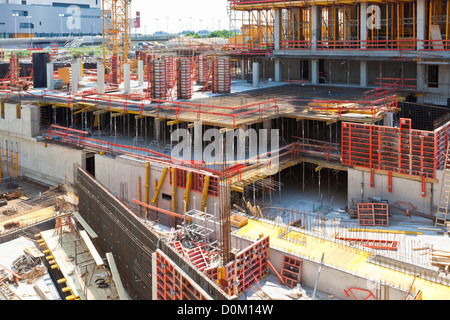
[(441, 214), (5, 291)]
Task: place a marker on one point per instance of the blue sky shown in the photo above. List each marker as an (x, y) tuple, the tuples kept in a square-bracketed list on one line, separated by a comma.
[(204, 14)]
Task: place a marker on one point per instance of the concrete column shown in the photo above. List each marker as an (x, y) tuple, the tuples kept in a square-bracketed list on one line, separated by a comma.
[(363, 23), (140, 73), (255, 74), (315, 26), (363, 73), (421, 77), (80, 68), (277, 29), (315, 71), (100, 77), (50, 79), (74, 77), (243, 69), (278, 70), (388, 120), (126, 78), (421, 21)]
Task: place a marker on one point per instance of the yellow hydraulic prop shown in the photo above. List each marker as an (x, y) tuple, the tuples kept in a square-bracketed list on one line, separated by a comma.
[(147, 186), (205, 193), (188, 190), (174, 190), (160, 184)]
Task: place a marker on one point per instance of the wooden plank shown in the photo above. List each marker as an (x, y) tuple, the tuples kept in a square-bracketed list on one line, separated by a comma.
[(85, 225), (98, 260), (116, 276)]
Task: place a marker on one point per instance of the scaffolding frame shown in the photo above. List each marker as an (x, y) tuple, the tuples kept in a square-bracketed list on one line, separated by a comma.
[(116, 37)]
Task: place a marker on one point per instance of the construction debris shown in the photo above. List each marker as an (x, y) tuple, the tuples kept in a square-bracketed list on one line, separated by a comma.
[(440, 259)]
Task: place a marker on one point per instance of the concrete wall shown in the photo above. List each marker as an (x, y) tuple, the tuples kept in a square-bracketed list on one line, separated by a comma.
[(332, 281), (444, 79), (27, 126), (47, 163), (406, 190), (111, 172), (342, 72), (390, 69)]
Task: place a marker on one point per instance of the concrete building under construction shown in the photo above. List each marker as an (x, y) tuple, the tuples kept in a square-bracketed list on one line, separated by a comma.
[(311, 151)]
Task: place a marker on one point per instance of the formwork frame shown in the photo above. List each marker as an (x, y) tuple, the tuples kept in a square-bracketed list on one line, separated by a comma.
[(173, 284), (291, 271), (373, 214), (400, 150)]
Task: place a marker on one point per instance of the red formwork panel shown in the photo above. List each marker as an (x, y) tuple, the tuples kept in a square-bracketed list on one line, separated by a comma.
[(247, 268), (442, 135), (251, 263), (291, 271), (373, 214), (172, 284), (392, 149)]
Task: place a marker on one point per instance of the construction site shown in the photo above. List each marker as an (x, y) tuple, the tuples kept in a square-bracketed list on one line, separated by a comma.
[(306, 158)]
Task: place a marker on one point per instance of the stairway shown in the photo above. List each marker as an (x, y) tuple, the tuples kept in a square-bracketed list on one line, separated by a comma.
[(441, 214), (195, 255)]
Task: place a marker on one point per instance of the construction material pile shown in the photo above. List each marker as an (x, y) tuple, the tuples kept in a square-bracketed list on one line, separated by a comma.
[(440, 259), (28, 267)]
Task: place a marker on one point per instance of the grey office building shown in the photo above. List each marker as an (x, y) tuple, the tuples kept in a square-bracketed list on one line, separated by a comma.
[(47, 18)]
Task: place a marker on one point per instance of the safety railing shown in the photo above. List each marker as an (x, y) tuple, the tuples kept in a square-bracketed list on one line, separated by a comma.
[(435, 45), (387, 87), (231, 116), (295, 44), (249, 49), (359, 45)]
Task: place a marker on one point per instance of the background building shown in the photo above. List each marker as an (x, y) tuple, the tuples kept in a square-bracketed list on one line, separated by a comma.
[(45, 18)]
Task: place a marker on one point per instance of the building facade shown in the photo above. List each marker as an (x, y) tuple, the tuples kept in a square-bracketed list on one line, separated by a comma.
[(45, 18), (357, 43)]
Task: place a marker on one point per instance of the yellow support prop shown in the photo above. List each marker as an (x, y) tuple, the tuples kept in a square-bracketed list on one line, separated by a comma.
[(147, 185), (188, 190), (174, 190), (205, 192), (160, 184)]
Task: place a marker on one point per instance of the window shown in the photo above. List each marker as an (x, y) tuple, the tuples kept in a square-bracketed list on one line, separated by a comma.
[(2, 110), (21, 13), (433, 76), (167, 197), (24, 1), (26, 25)]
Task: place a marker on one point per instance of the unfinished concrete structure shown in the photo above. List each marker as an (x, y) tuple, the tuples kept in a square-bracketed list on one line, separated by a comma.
[(213, 229)]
